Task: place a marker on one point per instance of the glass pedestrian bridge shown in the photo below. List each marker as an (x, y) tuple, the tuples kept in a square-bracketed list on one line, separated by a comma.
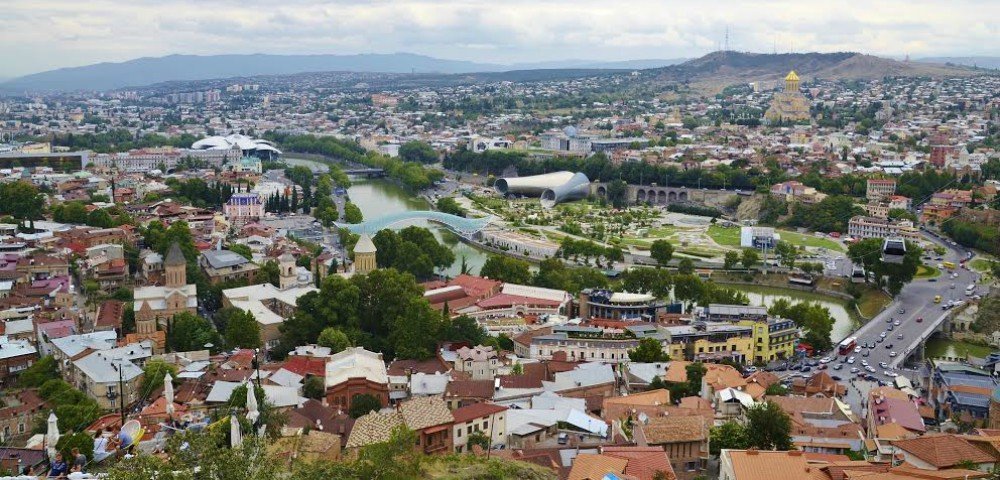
[(460, 225)]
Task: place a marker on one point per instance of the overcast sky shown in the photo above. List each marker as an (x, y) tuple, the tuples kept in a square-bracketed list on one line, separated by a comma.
[(39, 35)]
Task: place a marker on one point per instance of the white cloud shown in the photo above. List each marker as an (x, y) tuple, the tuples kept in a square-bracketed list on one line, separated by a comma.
[(43, 34)]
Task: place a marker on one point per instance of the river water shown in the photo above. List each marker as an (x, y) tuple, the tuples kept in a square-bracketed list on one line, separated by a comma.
[(376, 198), (381, 197), (844, 321)]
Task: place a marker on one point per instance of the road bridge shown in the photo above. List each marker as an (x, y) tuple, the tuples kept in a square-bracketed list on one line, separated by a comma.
[(366, 172)]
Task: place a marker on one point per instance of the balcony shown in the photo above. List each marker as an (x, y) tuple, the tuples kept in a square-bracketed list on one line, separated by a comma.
[(435, 447)]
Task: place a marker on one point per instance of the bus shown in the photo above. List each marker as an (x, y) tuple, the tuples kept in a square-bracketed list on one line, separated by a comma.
[(847, 345), (949, 265)]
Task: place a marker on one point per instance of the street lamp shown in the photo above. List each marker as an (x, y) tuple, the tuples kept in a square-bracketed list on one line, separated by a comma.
[(256, 365)]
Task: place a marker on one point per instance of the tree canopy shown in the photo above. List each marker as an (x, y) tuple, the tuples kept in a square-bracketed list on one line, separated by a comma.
[(383, 311), (413, 249), (506, 269)]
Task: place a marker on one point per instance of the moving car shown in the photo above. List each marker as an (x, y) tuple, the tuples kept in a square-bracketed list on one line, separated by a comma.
[(892, 354), (920, 319), (896, 323)]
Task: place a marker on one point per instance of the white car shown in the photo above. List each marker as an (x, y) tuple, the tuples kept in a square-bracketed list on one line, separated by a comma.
[(892, 374), (864, 362), (857, 349), (824, 360), (855, 370), (870, 369), (850, 359), (882, 334), (883, 364), (896, 323), (892, 354)]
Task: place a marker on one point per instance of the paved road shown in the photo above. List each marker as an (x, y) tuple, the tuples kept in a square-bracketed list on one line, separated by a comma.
[(916, 301)]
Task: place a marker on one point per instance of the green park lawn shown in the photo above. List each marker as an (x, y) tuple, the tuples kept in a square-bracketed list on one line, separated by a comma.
[(730, 237), (925, 271), (872, 302), (980, 265)]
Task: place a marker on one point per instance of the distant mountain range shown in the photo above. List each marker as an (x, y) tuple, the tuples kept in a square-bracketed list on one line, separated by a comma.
[(717, 68), (981, 62), (725, 68), (151, 70)]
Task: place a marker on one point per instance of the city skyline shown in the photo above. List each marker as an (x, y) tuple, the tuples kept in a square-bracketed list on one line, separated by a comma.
[(49, 34)]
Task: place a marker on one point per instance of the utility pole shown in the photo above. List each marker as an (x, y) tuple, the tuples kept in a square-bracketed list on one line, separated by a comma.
[(121, 391)]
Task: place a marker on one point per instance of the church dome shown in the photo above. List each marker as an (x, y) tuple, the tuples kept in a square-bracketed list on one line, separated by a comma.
[(792, 77)]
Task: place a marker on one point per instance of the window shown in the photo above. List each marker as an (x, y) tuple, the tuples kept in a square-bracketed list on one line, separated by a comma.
[(458, 433), (470, 430), (691, 466), (486, 425), (20, 428)]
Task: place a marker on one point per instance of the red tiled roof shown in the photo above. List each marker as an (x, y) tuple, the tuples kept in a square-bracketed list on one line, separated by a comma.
[(306, 366), (476, 410)]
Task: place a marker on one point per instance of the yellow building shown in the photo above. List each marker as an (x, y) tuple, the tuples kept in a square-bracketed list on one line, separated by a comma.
[(773, 339), (789, 104), (711, 342)]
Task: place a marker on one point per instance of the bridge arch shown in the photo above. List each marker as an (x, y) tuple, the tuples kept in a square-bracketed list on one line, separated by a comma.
[(640, 196), (460, 225)]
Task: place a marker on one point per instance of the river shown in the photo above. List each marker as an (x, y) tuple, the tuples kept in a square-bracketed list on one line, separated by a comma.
[(379, 197), (844, 322), (376, 198)]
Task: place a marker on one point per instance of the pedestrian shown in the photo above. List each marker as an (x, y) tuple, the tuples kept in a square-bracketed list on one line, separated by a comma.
[(79, 460), (58, 469)]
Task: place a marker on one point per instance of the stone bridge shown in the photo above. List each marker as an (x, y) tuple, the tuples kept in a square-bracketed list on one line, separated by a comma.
[(657, 195)]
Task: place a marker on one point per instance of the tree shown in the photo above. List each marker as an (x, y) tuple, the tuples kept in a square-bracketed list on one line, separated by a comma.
[(462, 329), (412, 249), (479, 438), (768, 427), (270, 417), (731, 260), (506, 269), (750, 258), (22, 200), (814, 318), (241, 249), (649, 350), (362, 404), (204, 455), (313, 388), (269, 272), (618, 193), (188, 332), (352, 213), (242, 330), (776, 389), (787, 253), (449, 205), (153, 375), (38, 373), (661, 251), (383, 311), (868, 253), (729, 435), (654, 281), (695, 372), (334, 339), (685, 267), (417, 151)]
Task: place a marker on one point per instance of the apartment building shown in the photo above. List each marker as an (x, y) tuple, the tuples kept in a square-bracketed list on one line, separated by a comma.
[(872, 227)]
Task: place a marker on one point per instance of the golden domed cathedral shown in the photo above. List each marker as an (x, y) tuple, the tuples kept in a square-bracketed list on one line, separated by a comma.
[(789, 104)]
